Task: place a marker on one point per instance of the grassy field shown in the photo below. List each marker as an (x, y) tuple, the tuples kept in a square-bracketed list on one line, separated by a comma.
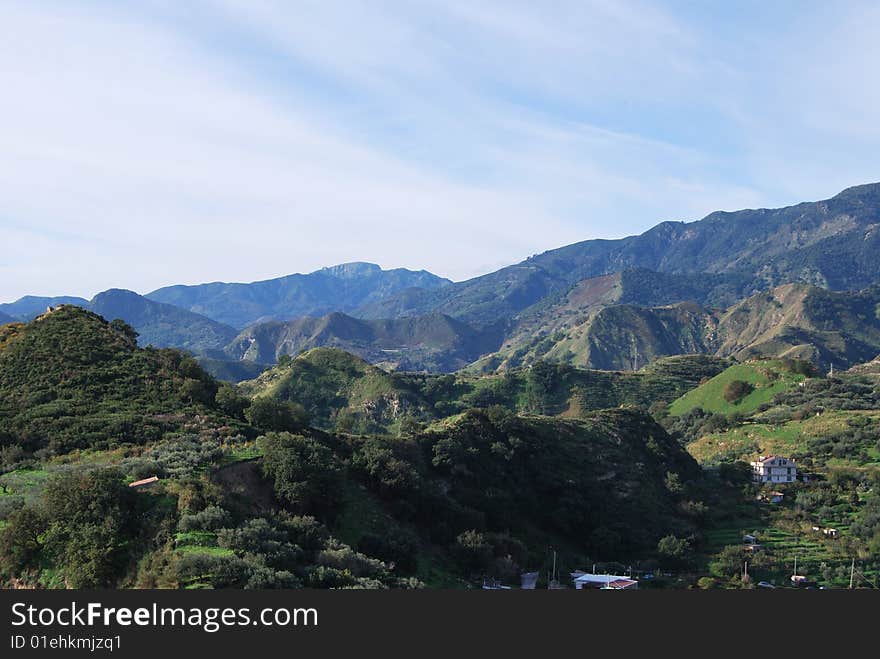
[(767, 377), (751, 439), (25, 483)]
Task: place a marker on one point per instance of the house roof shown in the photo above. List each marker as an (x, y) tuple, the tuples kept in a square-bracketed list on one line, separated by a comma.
[(623, 583), (601, 578), (767, 458), (145, 481)]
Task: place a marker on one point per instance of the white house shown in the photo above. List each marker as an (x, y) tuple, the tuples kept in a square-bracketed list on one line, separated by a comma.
[(604, 581), (774, 469)]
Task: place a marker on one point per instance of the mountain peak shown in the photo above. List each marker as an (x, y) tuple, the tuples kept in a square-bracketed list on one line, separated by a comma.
[(856, 191), (352, 270), (118, 294)]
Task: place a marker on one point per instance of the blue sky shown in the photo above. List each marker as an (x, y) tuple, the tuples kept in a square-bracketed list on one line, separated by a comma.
[(151, 143)]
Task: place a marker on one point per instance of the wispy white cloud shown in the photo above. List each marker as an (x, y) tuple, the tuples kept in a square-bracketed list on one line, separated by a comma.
[(166, 142)]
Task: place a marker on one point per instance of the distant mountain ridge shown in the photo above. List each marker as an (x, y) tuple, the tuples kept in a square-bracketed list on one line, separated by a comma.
[(162, 325), (832, 243), (434, 342), (30, 306), (157, 324), (666, 288), (338, 288), (796, 321)]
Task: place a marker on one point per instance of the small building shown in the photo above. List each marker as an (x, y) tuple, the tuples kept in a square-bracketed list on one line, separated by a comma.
[(801, 581), (604, 582), (146, 482), (776, 497), (774, 469), (830, 533), (528, 580), (749, 539), (493, 584)]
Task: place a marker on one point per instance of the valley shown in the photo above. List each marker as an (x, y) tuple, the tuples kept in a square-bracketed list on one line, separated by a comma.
[(356, 427)]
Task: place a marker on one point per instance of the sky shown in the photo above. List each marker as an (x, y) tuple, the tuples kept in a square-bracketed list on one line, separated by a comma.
[(149, 143)]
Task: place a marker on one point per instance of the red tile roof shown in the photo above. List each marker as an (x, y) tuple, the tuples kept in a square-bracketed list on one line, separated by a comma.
[(145, 481)]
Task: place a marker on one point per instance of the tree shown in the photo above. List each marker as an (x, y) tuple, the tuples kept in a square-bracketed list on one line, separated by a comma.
[(539, 386), (92, 521), (473, 551), (275, 415), (673, 482), (84, 526), (304, 471), (675, 549), (20, 544), (728, 562), (125, 329), (659, 409), (230, 401), (736, 390)]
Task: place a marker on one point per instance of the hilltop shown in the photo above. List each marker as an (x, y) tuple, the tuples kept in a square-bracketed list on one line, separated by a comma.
[(339, 390), (71, 380), (157, 324)]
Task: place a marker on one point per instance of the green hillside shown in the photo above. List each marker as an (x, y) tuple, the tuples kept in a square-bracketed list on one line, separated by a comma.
[(831, 428), (248, 496), (71, 380), (343, 392), (767, 378), (339, 390)]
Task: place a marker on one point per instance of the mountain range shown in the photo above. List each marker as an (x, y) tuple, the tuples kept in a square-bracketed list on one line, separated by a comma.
[(796, 321), (745, 283), (339, 288)]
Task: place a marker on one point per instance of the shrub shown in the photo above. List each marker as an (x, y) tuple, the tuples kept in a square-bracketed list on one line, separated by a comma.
[(736, 390), (210, 519), (275, 415)]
